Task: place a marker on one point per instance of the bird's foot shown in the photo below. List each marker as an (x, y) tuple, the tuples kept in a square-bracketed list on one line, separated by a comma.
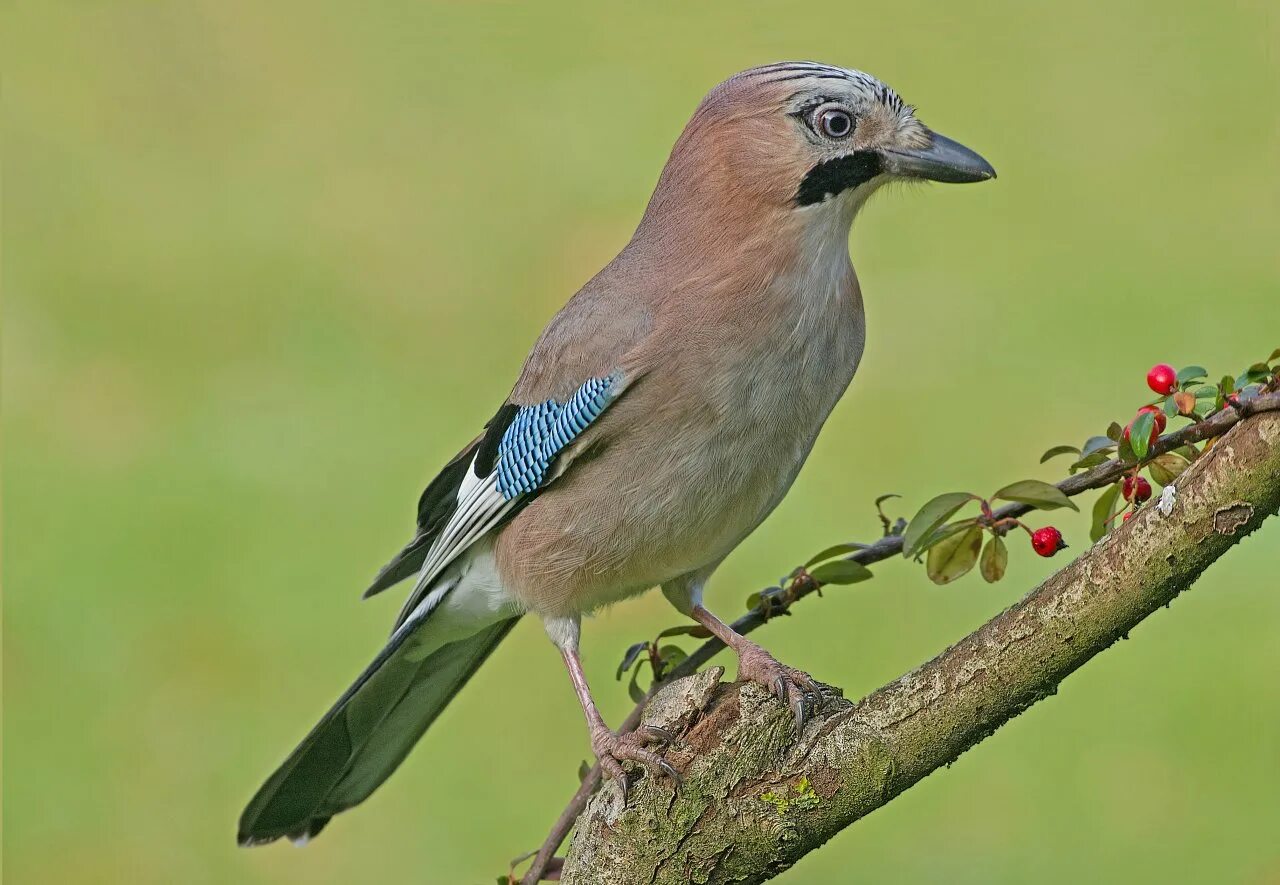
[(614, 749), (794, 688)]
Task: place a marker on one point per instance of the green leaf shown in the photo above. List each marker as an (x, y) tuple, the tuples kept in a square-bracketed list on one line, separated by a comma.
[(1090, 461), (1096, 444), (954, 556), (1191, 373), (636, 693), (669, 656), (945, 532), (1102, 510), (836, 550), (1167, 467), (1170, 408), (1275, 355), (1058, 450), (1206, 392), (1124, 452), (1227, 384), (995, 559), (1115, 431), (632, 654), (842, 571), (1039, 494), (930, 516), (1140, 435), (697, 631), (672, 654)]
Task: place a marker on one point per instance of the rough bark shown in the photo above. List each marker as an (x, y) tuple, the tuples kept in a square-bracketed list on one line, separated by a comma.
[(755, 798)]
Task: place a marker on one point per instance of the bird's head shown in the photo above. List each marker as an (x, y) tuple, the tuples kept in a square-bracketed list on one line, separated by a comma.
[(792, 136)]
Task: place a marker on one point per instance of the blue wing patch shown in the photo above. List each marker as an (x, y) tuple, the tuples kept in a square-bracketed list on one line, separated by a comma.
[(539, 432)]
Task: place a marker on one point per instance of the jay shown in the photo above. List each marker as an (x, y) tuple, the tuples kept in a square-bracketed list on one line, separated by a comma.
[(660, 417)]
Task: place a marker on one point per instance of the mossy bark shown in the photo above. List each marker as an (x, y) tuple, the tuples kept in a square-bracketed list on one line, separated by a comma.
[(755, 798)]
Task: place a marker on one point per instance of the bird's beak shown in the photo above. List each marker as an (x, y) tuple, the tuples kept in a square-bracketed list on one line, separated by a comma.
[(943, 160)]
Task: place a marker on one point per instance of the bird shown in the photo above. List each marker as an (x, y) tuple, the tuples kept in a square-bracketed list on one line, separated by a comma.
[(660, 416)]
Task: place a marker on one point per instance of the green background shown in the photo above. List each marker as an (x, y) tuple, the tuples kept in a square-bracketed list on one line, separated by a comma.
[(268, 265)]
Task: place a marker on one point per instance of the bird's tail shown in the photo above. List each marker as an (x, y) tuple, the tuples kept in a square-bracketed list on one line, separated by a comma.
[(364, 737)]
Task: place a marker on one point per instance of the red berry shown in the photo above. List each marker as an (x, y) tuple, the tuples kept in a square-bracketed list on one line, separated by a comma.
[(1126, 516), (1157, 414), (1136, 489), (1162, 378), (1047, 541)]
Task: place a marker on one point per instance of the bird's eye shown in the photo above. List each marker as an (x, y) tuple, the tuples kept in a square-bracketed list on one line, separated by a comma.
[(835, 123)]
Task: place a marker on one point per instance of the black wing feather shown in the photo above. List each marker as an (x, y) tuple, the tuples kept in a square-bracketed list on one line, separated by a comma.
[(440, 499)]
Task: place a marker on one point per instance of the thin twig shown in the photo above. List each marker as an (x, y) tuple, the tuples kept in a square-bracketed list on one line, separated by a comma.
[(564, 823), (885, 548)]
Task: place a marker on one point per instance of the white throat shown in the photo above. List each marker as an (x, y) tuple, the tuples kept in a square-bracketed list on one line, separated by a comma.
[(824, 280)]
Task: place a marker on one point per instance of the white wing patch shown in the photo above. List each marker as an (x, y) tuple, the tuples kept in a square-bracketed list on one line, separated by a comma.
[(480, 508)]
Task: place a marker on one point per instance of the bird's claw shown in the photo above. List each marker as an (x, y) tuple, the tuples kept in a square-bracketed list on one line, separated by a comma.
[(613, 749), (792, 687), (654, 734)]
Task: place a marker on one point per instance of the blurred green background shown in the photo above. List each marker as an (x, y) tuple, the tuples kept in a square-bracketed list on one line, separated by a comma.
[(267, 266)]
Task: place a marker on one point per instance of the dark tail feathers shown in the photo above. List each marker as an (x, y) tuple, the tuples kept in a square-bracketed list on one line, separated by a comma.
[(364, 737)]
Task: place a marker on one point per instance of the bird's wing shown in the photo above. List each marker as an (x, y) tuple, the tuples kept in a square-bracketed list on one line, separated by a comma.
[(523, 449), (371, 728)]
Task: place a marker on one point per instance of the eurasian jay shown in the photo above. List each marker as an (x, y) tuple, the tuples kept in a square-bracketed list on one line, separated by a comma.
[(661, 416)]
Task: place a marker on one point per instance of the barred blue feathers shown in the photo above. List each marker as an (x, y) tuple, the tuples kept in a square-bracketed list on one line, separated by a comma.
[(540, 432)]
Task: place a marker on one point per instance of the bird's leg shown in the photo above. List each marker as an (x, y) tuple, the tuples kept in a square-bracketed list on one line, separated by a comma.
[(610, 748), (794, 688)]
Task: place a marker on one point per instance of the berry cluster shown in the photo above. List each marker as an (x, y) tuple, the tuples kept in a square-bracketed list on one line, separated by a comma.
[(1183, 393), (950, 549)]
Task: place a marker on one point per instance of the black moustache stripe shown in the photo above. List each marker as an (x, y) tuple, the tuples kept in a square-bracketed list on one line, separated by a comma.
[(832, 177)]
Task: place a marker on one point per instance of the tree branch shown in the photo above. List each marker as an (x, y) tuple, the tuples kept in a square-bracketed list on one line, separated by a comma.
[(755, 799), (886, 548)]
